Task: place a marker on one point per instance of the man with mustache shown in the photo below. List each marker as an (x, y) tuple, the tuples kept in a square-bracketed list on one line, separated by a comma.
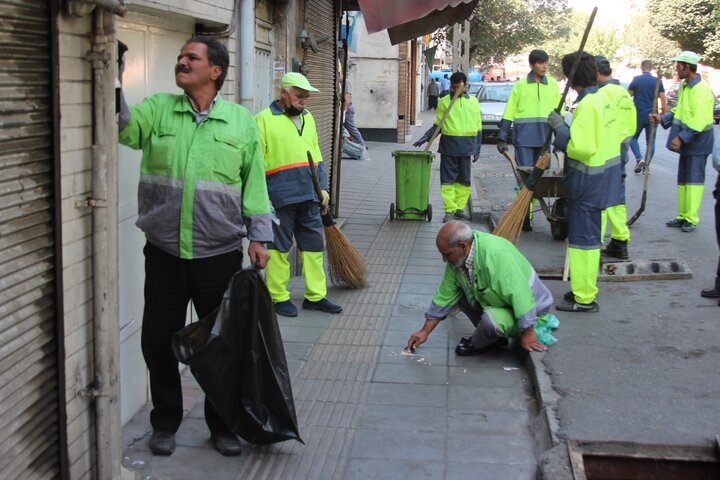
[(495, 286), (287, 134), (202, 189)]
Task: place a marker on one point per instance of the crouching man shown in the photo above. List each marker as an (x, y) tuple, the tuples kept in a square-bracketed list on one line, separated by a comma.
[(495, 286)]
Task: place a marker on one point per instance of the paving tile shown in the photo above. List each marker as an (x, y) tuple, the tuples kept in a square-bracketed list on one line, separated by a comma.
[(456, 470), (491, 398), (419, 374), (364, 469), (401, 417), (406, 322), (488, 377), (479, 420), (503, 449), (398, 444), (297, 350), (408, 394), (419, 288), (437, 338), (293, 333)]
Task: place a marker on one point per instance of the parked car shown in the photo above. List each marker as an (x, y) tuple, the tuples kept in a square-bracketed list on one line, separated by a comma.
[(474, 88), (493, 97), (671, 95)]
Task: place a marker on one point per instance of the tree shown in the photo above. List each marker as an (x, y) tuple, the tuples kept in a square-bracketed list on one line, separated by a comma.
[(499, 28), (605, 42), (648, 44), (693, 25)]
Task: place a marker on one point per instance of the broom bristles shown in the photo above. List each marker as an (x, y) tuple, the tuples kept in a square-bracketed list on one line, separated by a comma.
[(511, 223), (346, 265)]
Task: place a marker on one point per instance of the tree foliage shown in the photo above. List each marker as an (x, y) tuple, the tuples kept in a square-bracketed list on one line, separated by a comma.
[(693, 25), (647, 44), (499, 28)]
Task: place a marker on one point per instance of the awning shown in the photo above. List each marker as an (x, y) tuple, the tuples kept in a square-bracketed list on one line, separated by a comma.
[(408, 19)]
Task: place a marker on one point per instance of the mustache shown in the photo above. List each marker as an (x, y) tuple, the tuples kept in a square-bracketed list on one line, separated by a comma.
[(181, 69)]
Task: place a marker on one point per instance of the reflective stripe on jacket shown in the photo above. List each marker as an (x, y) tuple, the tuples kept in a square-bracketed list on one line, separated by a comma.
[(201, 186), (284, 149), (528, 107)]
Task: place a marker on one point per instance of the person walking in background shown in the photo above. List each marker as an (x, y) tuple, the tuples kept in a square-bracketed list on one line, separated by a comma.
[(616, 213), (592, 165), (433, 92), (461, 138), (287, 134), (531, 101), (445, 85), (642, 89), (691, 135), (202, 189)]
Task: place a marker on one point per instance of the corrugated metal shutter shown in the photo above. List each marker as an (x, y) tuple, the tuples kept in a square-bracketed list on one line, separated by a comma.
[(29, 443), (321, 72)]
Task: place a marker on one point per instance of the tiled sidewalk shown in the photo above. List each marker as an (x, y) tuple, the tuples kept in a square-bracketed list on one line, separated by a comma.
[(365, 410)]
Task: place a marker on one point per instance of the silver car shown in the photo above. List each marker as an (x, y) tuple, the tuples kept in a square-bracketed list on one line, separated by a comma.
[(493, 97)]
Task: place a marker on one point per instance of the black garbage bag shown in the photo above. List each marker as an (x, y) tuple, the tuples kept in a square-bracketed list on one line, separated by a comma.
[(237, 356)]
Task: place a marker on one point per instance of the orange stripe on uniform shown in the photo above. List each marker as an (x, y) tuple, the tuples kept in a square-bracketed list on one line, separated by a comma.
[(287, 167)]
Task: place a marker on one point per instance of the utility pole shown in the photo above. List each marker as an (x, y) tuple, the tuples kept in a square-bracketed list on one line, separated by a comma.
[(461, 47)]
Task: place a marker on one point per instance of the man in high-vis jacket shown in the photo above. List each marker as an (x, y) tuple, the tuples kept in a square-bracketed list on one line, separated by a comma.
[(531, 101), (691, 135), (287, 134), (592, 166), (461, 139), (616, 213), (495, 286), (202, 189)]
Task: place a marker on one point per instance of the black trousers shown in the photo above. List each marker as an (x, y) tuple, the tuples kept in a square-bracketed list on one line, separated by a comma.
[(170, 284), (716, 194)]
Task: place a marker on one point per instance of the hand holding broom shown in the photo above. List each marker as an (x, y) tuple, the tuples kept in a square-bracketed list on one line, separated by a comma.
[(346, 265)]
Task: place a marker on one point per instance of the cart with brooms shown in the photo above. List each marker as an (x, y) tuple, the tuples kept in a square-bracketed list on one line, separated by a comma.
[(550, 195)]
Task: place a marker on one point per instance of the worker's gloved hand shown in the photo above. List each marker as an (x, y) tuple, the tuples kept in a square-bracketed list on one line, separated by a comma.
[(420, 141), (502, 147), (475, 158), (555, 120), (325, 198)]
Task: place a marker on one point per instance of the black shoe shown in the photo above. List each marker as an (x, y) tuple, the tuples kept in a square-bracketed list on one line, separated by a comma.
[(448, 216), (461, 215), (574, 306), (712, 292), (569, 297), (162, 443), (226, 444), (323, 305), (286, 309), (616, 249), (676, 223), (527, 225), (639, 166), (465, 348)]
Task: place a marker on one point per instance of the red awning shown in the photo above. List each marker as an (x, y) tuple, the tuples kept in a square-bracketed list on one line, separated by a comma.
[(408, 19)]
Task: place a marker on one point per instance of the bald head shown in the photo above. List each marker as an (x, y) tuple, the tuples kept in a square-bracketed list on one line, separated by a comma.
[(454, 232)]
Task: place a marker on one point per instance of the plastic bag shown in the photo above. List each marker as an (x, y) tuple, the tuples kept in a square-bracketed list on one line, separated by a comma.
[(237, 356)]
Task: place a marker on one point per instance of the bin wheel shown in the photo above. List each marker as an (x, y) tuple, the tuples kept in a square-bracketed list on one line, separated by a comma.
[(559, 228), (429, 213), (392, 212)]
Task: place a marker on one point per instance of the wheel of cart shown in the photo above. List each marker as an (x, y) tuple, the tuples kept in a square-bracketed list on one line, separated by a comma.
[(412, 185), (552, 198)]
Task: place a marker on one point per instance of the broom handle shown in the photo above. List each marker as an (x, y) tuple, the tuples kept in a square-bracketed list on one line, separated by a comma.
[(648, 156), (574, 68), (313, 173), (457, 94)]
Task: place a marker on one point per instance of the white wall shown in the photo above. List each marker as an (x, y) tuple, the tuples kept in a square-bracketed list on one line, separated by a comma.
[(375, 80)]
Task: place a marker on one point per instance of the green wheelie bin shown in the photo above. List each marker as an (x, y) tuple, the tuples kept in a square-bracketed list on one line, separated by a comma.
[(412, 185)]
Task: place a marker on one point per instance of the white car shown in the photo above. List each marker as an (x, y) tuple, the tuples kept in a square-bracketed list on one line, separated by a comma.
[(493, 97)]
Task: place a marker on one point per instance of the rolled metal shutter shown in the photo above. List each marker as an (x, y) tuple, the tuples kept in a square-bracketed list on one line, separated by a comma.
[(321, 67), (29, 390)]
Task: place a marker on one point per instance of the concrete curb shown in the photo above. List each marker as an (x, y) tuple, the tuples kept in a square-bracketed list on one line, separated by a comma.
[(546, 424)]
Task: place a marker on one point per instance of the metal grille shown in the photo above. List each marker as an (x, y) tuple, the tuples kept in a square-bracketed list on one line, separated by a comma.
[(29, 443), (321, 71)]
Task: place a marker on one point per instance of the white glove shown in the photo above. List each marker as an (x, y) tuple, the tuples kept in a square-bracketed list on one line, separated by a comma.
[(325, 198)]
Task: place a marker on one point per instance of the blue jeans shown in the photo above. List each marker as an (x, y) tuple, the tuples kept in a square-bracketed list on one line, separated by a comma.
[(642, 124)]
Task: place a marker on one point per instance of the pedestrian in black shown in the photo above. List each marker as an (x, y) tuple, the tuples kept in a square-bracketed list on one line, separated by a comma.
[(433, 92), (715, 291)]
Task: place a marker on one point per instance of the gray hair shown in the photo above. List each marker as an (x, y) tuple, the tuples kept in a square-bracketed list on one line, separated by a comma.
[(459, 232)]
